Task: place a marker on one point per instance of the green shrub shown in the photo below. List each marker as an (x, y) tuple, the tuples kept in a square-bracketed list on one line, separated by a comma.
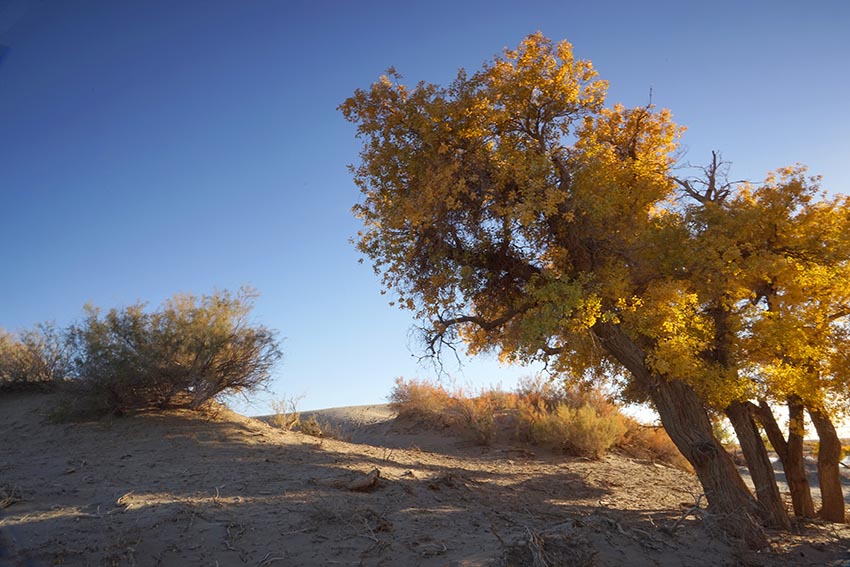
[(590, 432), (184, 354)]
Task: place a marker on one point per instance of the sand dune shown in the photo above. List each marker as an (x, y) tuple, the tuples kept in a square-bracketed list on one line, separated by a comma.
[(176, 489)]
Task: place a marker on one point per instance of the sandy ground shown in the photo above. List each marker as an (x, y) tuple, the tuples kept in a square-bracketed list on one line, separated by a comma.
[(177, 489)]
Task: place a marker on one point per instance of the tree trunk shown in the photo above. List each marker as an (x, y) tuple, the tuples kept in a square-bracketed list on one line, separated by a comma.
[(829, 475), (761, 470), (798, 482), (795, 472), (686, 422)]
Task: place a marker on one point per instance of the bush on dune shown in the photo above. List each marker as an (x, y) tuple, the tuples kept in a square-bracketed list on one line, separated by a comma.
[(583, 422), (187, 352), (37, 358), (582, 430), (419, 397)]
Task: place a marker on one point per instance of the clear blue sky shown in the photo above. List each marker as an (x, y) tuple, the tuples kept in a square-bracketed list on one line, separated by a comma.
[(154, 147)]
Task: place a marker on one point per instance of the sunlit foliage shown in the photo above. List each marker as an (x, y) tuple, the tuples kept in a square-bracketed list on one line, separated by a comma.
[(513, 211)]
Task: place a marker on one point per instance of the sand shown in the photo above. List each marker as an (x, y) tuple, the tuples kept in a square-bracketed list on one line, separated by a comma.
[(177, 489)]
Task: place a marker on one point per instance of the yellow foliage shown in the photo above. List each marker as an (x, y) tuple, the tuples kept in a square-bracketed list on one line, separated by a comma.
[(516, 212)]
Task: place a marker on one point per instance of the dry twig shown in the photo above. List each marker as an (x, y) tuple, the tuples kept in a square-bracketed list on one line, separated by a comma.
[(9, 495)]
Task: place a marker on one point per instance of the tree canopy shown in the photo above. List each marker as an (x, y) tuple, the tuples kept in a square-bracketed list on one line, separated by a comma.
[(512, 210)]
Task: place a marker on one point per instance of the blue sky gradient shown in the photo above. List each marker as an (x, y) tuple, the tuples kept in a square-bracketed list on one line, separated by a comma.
[(148, 148)]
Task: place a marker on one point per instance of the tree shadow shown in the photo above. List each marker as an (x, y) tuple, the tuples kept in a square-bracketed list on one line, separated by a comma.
[(182, 490)]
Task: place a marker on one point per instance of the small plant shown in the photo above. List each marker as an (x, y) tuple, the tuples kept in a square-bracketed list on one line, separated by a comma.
[(477, 418), (286, 415), (318, 428)]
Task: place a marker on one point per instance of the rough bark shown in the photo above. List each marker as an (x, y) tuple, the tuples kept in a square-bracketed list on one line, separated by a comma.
[(795, 472), (761, 469), (798, 482), (686, 421), (829, 475)]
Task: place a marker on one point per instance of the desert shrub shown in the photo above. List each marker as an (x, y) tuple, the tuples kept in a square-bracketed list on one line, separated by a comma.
[(477, 418), (319, 428), (653, 443), (583, 430), (286, 415), (531, 416), (542, 393), (498, 399), (184, 354), (583, 421), (36, 358), (419, 397)]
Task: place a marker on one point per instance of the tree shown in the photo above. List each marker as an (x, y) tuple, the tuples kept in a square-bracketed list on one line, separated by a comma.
[(798, 337), (512, 211), (720, 268)]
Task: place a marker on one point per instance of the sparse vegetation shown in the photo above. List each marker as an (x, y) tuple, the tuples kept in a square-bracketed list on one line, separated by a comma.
[(584, 423), (286, 415), (187, 352), (319, 428), (37, 358)]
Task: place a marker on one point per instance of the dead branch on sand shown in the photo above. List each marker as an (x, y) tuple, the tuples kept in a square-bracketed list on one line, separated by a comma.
[(9, 495)]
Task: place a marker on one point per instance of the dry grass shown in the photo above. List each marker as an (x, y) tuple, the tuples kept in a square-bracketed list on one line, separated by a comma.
[(585, 423), (320, 428), (419, 397), (286, 415), (654, 444)]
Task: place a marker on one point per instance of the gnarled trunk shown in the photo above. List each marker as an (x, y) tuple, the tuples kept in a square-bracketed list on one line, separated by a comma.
[(761, 470), (686, 422), (688, 425), (798, 479), (798, 482), (829, 475)]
